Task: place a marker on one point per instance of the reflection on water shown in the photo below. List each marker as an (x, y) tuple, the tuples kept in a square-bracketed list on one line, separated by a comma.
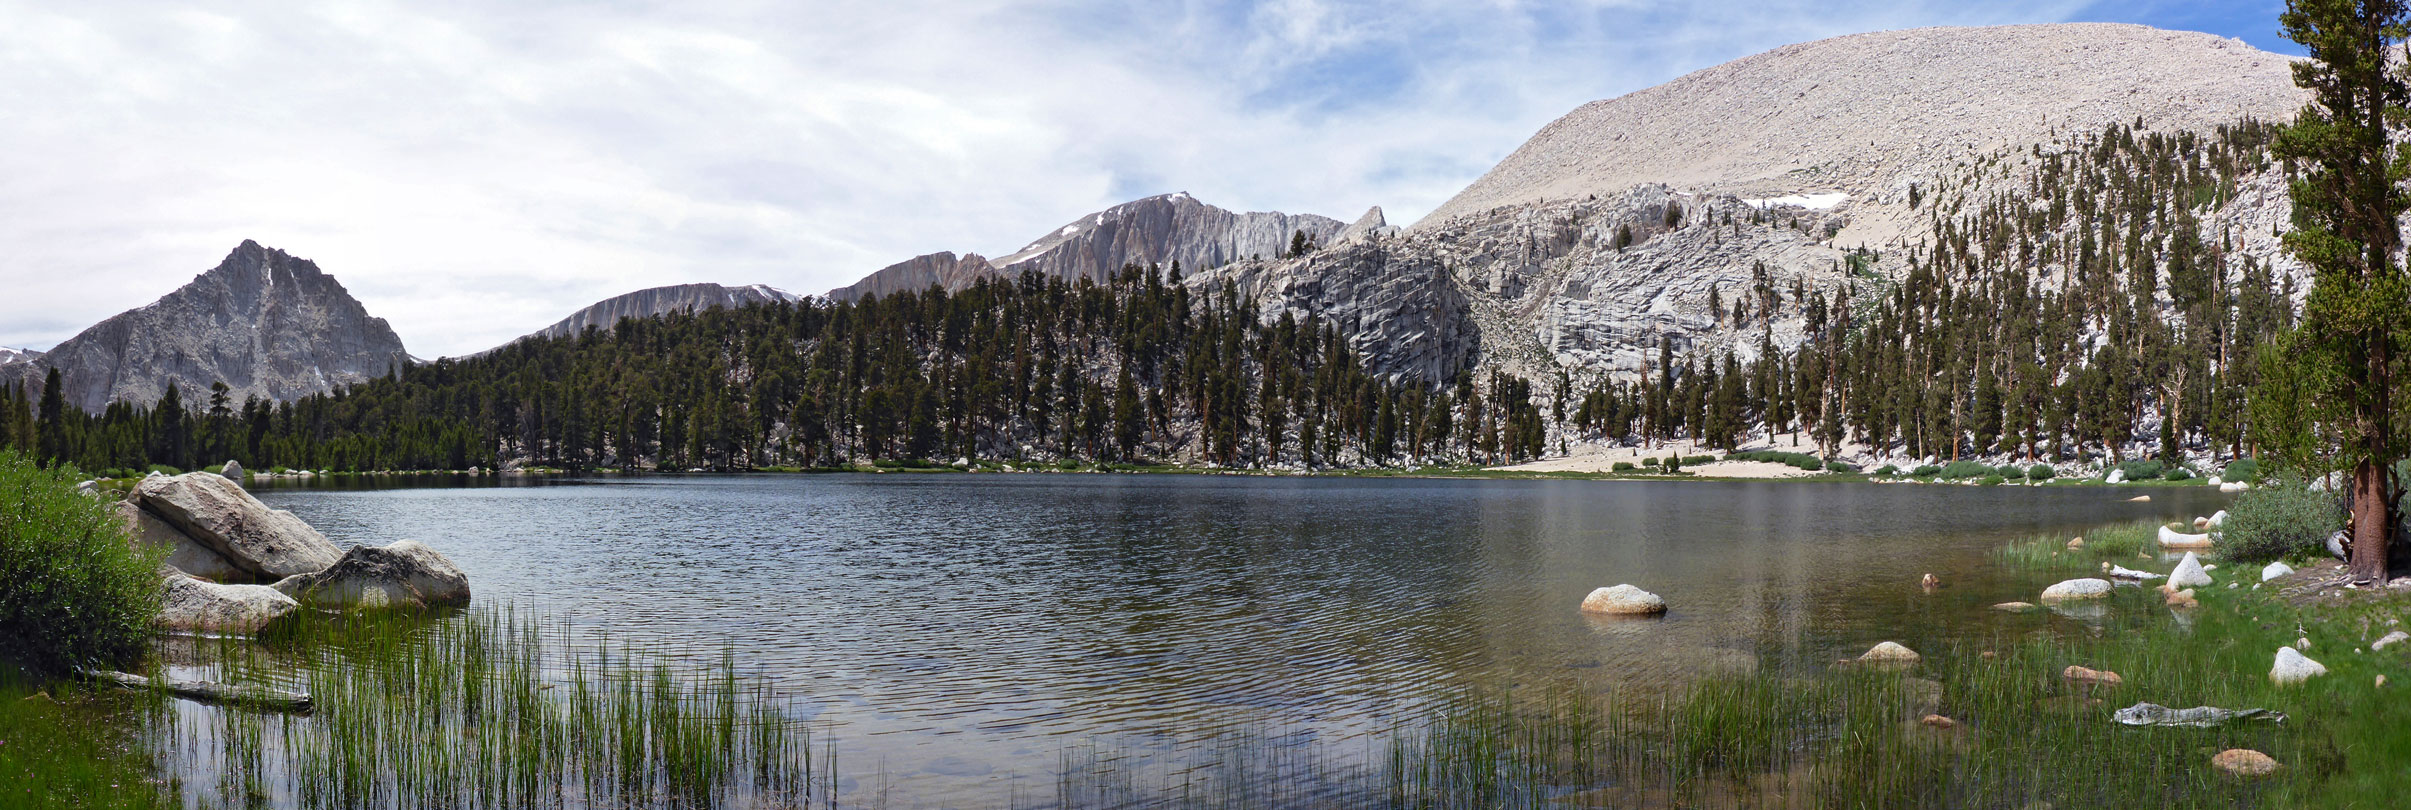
[(959, 633)]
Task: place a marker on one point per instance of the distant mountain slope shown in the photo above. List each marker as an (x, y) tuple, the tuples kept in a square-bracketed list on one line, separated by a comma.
[(653, 301), (1160, 230), (944, 270), (264, 322), (8, 355), (1874, 115)]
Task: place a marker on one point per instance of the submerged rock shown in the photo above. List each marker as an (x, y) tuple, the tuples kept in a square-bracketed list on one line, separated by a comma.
[(2189, 573), (407, 574), (1623, 600), (2293, 667), (2086, 588), (194, 606), (2015, 607), (270, 543), (1890, 652), (2244, 762)]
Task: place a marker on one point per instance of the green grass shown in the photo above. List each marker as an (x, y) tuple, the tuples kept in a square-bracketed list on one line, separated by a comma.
[(64, 746)]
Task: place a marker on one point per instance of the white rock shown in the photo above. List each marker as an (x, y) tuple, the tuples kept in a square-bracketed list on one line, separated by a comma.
[(1623, 600), (2216, 481), (2218, 519), (2274, 570), (205, 607), (2116, 477), (1889, 651), (2294, 667), (2123, 572), (2389, 640), (2170, 538), (406, 574), (2189, 573), (2335, 545), (2087, 588), (2234, 486)]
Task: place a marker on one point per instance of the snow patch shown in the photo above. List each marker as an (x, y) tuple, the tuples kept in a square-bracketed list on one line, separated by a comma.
[(1813, 202), (1071, 229)]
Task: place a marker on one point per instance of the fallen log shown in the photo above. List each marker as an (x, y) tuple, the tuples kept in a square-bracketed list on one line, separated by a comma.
[(258, 697)]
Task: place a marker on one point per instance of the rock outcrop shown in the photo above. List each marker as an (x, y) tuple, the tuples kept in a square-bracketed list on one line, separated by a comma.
[(217, 513), (184, 554), (406, 574), (655, 301), (194, 606), (1162, 230), (943, 270), (264, 322)]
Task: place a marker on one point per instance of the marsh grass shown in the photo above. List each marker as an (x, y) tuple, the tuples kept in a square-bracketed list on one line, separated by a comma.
[(490, 708)]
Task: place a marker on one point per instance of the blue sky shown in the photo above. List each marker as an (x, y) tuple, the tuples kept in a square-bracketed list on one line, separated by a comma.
[(473, 171)]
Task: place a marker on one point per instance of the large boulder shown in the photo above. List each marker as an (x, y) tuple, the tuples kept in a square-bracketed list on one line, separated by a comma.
[(194, 606), (407, 574), (2087, 588), (2189, 573), (1623, 600), (2274, 570), (269, 543), (184, 554), (234, 471)]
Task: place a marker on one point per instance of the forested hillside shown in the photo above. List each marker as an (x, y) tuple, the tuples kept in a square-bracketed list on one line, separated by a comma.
[(1141, 369), (2090, 312)]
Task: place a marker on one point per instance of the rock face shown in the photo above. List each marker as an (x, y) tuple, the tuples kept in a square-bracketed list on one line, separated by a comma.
[(184, 554), (215, 512), (1161, 230), (942, 270), (8, 355), (406, 574), (647, 303), (1873, 115), (2293, 667), (2189, 573), (2087, 588), (1623, 600), (266, 323), (194, 606)]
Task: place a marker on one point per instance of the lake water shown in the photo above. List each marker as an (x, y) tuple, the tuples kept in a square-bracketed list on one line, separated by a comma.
[(957, 634)]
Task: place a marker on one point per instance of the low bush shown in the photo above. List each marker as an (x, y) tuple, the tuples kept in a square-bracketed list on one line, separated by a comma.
[(1992, 480), (2040, 472), (1965, 469), (1623, 466), (78, 590), (2178, 474), (2280, 520), (1925, 471), (2010, 471), (2142, 469), (2246, 470), (1697, 460), (1887, 470), (1840, 466), (1651, 461)]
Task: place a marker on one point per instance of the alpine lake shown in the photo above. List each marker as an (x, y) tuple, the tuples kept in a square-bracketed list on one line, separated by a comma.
[(984, 639)]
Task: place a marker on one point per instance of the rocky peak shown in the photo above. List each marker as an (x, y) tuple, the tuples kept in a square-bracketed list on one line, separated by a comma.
[(264, 322), (943, 270), (655, 301), (1161, 230)]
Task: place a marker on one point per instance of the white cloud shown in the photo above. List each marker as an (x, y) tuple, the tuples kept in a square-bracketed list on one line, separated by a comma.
[(473, 173)]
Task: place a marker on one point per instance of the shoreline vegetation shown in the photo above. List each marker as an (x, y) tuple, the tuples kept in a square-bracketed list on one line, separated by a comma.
[(498, 707)]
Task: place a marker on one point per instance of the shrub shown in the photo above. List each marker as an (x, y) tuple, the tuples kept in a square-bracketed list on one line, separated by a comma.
[(1810, 463), (79, 591), (1651, 461), (2179, 474), (2040, 472), (2267, 523), (2010, 471), (1844, 467), (1965, 469), (1992, 480), (1925, 470), (1888, 470), (2246, 470), (2143, 469), (1674, 464), (1695, 460), (1623, 466)]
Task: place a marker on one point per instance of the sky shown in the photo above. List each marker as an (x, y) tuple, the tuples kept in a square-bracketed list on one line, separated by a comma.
[(473, 171)]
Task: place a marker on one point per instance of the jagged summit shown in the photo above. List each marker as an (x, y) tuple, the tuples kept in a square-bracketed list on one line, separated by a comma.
[(266, 323), (1872, 115), (1162, 229)]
